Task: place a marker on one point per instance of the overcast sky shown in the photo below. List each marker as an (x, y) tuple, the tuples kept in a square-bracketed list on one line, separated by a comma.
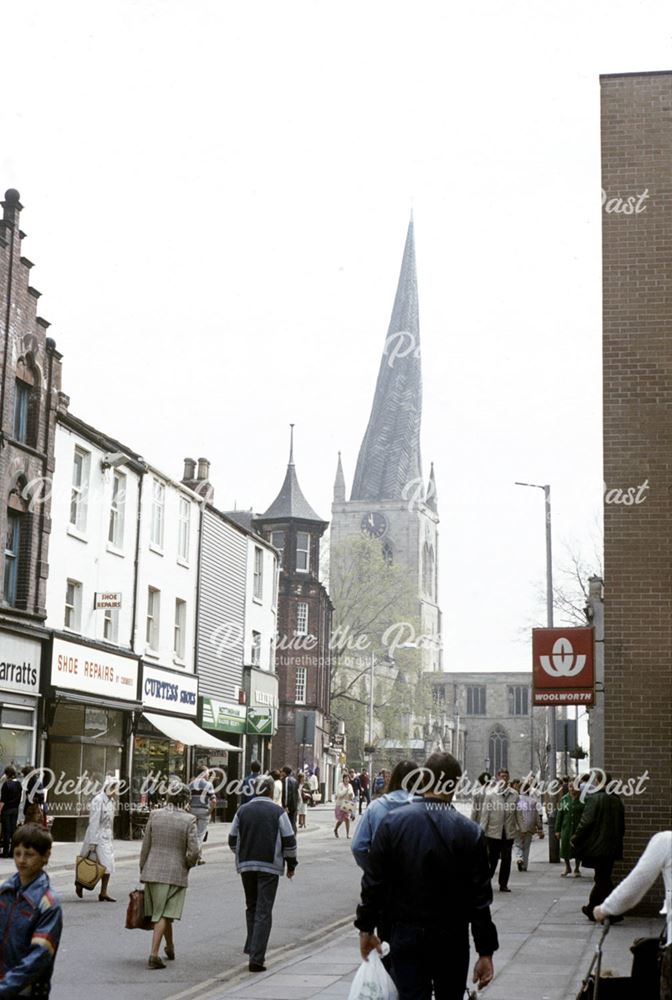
[(216, 200)]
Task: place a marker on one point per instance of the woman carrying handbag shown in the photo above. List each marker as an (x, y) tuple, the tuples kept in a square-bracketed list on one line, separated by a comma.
[(98, 840), (170, 848)]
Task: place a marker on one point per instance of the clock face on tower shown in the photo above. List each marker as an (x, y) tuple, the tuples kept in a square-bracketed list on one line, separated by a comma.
[(374, 524)]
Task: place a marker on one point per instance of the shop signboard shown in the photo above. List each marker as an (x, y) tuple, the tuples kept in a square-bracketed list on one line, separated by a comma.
[(19, 664), (260, 721), (93, 671), (562, 666), (226, 716), (168, 691), (108, 599)]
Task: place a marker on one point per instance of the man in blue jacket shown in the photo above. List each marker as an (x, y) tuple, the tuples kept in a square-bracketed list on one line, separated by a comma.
[(427, 874), (263, 841), (30, 918)]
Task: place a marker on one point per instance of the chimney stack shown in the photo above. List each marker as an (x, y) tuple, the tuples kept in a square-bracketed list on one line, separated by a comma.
[(11, 207), (189, 469), (203, 469)]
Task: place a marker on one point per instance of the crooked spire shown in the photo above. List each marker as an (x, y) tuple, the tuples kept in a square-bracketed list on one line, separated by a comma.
[(389, 466)]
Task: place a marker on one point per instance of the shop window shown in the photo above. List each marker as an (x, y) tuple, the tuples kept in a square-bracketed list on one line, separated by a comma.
[(301, 618), (156, 761), (180, 628), (302, 552), (84, 741), (115, 534), (153, 612), (300, 688), (79, 490), (73, 606), (158, 513), (256, 649), (258, 573), (278, 542), (183, 524)]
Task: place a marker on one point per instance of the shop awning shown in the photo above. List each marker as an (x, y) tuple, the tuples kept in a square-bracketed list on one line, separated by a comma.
[(187, 732)]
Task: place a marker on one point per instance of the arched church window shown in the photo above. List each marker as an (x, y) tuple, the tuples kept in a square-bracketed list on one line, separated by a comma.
[(388, 555), (498, 750)]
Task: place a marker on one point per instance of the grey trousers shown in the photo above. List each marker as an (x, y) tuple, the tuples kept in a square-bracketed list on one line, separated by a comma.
[(202, 819), (260, 890)]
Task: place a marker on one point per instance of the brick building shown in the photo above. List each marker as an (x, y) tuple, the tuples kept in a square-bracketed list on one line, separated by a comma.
[(29, 387), (637, 382), (304, 628)]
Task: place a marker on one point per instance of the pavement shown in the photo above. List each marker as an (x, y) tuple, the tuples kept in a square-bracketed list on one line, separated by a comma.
[(546, 943)]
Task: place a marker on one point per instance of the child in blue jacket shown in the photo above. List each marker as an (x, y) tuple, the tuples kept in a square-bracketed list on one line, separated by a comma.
[(30, 918)]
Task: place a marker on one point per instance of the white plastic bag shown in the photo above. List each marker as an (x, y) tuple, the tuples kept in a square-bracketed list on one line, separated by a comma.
[(371, 980)]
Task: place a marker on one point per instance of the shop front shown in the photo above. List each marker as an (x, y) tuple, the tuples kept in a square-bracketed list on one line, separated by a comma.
[(226, 720), (261, 690), (91, 701), (19, 699), (168, 745)]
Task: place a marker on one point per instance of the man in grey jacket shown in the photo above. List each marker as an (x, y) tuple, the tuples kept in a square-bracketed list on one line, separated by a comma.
[(263, 841), (498, 822)]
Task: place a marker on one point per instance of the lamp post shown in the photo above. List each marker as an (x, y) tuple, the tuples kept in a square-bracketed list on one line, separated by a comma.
[(553, 847)]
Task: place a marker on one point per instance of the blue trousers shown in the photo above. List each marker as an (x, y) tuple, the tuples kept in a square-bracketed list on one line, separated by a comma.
[(429, 958), (260, 890)]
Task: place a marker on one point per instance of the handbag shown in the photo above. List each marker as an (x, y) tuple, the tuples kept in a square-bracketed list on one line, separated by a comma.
[(88, 871), (135, 912)]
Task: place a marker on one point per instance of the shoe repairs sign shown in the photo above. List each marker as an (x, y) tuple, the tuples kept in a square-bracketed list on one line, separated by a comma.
[(562, 666)]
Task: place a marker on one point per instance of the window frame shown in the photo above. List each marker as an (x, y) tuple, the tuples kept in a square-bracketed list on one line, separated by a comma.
[(111, 617), (16, 521), (183, 530), (481, 689), (305, 551), (153, 620), (300, 685), (280, 548), (255, 649), (79, 489), (180, 629), (302, 629), (158, 518), (74, 606), (258, 574), (22, 401), (516, 693), (117, 510)]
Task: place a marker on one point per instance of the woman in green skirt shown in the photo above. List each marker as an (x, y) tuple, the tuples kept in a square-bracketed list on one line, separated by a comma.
[(169, 849)]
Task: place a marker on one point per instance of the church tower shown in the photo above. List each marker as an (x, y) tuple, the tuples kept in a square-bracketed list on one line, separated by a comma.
[(389, 499)]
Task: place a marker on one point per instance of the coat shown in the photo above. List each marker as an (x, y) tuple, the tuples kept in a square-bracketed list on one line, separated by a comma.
[(567, 820), (30, 930), (498, 813), (169, 848), (599, 835), (100, 831)]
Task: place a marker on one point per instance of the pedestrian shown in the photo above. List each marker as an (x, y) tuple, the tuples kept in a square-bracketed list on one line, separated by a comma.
[(567, 820), (290, 795), (169, 849), (478, 795), (303, 799), (498, 822), (33, 807), (529, 820), (263, 841), (10, 800), (313, 788), (277, 787), (99, 836), (344, 804), (427, 875), (247, 788), (31, 919), (365, 792), (203, 803), (356, 787), (395, 796), (598, 841)]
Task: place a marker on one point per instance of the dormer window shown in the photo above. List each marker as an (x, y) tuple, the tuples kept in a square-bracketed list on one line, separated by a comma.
[(302, 552)]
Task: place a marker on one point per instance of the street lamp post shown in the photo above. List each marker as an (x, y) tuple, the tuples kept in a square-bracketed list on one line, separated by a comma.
[(553, 847), (372, 665)]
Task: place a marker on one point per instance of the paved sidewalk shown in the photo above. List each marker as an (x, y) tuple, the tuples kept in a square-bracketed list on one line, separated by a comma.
[(546, 945)]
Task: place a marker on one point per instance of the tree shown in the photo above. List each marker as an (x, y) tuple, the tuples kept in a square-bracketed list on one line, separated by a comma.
[(375, 615)]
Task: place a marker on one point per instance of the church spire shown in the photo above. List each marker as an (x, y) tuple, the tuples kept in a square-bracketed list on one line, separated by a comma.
[(290, 503), (389, 457), (431, 497), (339, 483)]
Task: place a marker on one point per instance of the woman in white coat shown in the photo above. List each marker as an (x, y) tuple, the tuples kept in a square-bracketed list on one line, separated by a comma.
[(99, 836)]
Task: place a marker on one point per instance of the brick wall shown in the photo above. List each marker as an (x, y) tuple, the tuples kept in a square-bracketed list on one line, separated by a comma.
[(637, 382), (26, 467)]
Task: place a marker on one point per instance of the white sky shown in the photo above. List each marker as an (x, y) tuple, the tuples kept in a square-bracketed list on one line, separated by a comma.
[(216, 197)]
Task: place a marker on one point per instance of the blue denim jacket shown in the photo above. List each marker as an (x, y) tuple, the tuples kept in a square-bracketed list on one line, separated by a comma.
[(30, 929)]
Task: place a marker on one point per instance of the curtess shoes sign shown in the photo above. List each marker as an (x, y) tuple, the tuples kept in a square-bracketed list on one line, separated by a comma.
[(169, 692), (19, 664), (93, 671), (562, 666)]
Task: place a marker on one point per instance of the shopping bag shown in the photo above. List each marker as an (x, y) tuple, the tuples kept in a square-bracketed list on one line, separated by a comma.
[(88, 871), (372, 981), (135, 912)]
